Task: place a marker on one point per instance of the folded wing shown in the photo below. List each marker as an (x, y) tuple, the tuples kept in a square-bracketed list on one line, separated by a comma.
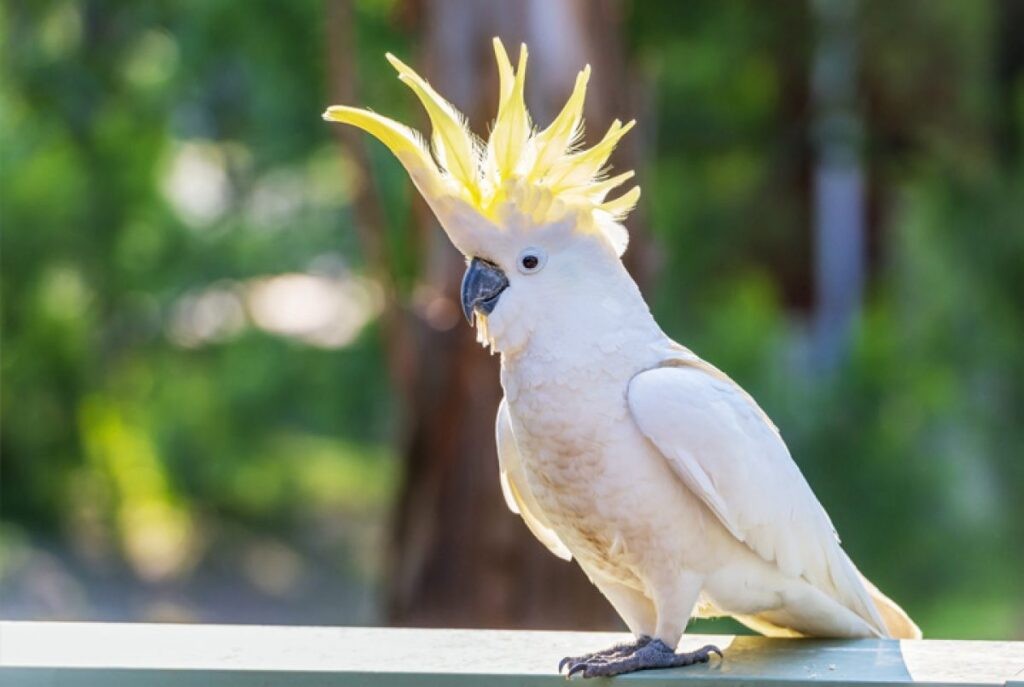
[(725, 449)]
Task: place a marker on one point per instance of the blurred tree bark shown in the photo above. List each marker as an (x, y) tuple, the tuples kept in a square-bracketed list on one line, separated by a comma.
[(839, 203), (1009, 64), (459, 557)]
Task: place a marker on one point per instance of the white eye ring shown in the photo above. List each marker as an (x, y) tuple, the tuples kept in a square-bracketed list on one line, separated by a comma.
[(531, 260)]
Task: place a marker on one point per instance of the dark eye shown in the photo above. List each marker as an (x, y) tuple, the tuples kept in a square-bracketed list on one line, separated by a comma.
[(531, 260)]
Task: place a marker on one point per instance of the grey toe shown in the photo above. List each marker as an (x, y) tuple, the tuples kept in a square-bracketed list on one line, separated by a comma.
[(647, 656)]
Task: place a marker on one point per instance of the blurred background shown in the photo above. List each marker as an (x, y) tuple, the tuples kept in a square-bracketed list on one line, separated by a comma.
[(237, 386)]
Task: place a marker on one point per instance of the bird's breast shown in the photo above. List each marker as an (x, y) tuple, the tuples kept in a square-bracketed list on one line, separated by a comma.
[(606, 490), (578, 446)]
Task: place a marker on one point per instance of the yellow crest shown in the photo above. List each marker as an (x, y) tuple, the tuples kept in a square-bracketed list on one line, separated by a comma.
[(540, 175)]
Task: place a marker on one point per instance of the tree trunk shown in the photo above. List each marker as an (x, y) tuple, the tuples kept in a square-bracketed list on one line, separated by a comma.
[(459, 557), (839, 207), (1009, 65)]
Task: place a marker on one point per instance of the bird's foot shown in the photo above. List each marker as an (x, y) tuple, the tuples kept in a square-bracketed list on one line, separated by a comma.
[(616, 651), (651, 654)]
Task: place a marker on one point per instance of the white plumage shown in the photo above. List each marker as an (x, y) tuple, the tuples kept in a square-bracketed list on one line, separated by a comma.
[(618, 447), (660, 475)]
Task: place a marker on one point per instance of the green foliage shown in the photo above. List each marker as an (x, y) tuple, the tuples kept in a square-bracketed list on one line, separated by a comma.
[(163, 163), (146, 408)]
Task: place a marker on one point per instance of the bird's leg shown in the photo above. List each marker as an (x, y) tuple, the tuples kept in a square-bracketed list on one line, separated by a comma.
[(623, 649), (652, 654)]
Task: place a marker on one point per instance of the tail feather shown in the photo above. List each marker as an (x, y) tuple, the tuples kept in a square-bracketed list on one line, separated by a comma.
[(759, 623), (827, 617), (897, 622)]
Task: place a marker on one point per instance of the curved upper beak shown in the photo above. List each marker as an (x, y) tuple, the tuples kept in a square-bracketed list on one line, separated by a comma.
[(481, 287)]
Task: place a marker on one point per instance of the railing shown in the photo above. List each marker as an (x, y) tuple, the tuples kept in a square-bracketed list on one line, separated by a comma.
[(115, 655)]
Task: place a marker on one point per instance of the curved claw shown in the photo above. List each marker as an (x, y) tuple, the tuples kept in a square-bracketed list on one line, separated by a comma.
[(701, 655), (568, 660), (580, 667)]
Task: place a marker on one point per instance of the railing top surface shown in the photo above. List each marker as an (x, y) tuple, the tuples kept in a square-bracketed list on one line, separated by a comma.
[(55, 653)]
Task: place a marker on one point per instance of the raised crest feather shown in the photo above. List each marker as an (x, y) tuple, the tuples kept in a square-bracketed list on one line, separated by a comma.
[(515, 163), (512, 126)]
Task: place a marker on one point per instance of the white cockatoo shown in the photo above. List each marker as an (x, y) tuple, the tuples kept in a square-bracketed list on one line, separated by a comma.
[(619, 447)]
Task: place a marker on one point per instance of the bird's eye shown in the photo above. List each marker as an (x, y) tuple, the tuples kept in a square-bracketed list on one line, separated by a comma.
[(531, 260)]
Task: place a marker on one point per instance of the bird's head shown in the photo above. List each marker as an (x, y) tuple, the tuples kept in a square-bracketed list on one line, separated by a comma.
[(527, 208)]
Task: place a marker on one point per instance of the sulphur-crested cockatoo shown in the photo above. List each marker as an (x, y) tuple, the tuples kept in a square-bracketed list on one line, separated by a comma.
[(619, 447)]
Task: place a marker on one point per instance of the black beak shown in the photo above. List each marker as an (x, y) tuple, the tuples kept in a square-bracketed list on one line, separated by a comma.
[(481, 287)]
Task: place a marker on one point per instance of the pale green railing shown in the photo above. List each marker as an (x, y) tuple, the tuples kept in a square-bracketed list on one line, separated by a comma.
[(116, 655)]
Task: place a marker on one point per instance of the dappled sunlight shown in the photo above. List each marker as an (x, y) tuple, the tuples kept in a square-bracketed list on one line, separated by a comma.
[(327, 474), (155, 531), (61, 30), (950, 662), (273, 567), (276, 198), (152, 61), (63, 296), (326, 311), (214, 314), (318, 310), (196, 184)]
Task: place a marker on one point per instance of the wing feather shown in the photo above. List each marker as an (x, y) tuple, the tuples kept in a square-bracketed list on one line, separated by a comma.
[(725, 449)]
